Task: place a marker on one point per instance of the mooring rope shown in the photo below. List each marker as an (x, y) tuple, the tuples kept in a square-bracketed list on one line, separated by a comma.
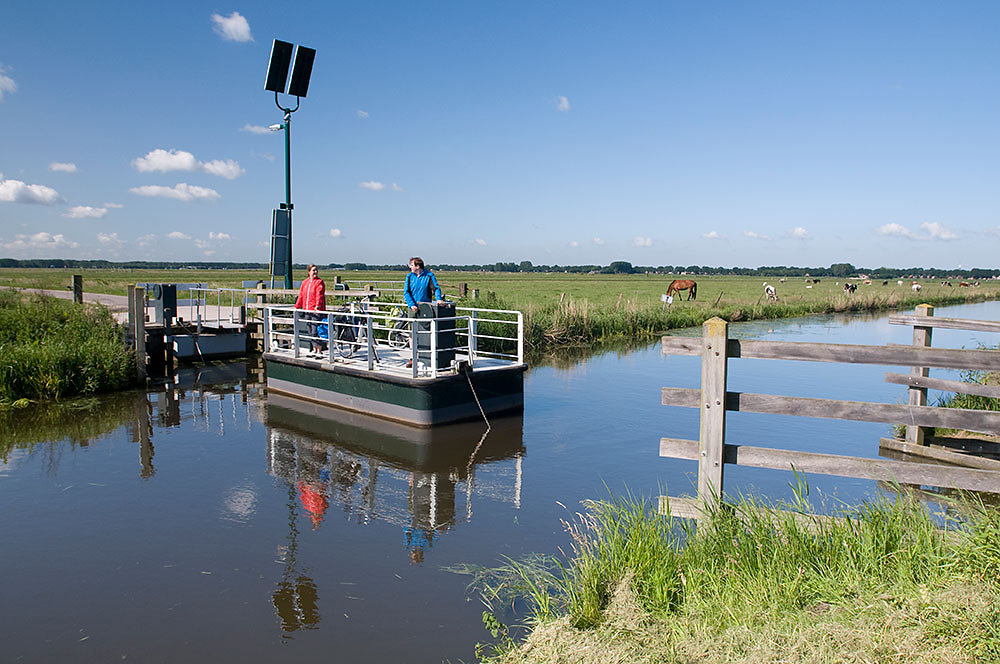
[(468, 467)]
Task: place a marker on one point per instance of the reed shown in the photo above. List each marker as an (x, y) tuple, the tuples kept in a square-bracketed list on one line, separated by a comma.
[(51, 349), (580, 321), (884, 583)]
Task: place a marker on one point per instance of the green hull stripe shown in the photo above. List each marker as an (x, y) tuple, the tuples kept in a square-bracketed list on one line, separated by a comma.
[(435, 395)]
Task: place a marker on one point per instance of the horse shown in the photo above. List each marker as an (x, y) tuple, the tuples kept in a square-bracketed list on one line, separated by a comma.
[(678, 285)]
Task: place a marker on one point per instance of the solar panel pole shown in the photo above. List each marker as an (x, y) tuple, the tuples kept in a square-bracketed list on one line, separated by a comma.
[(301, 63)]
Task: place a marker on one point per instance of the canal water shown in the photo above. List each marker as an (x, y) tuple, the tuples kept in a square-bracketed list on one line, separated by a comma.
[(204, 520)]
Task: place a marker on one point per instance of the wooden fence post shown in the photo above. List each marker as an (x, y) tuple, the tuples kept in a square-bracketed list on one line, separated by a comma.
[(78, 288), (138, 328), (918, 395), (712, 434), (463, 289)]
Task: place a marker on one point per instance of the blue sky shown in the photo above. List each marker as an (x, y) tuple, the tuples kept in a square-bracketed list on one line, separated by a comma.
[(721, 133)]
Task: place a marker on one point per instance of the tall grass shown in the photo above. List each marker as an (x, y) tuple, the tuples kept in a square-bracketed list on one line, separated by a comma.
[(579, 321), (883, 583), (51, 349)]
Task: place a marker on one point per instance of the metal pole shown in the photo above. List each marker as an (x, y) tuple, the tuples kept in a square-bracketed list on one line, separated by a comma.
[(288, 194)]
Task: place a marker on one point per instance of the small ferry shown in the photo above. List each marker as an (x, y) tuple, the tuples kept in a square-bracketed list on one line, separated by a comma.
[(446, 364)]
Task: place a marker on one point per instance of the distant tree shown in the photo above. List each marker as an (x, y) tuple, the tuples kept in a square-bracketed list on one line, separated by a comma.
[(525, 266), (842, 270)]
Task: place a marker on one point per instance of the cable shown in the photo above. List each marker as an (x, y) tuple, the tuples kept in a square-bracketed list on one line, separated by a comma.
[(489, 427)]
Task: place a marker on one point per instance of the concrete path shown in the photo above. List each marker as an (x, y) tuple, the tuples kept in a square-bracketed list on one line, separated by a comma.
[(115, 303)]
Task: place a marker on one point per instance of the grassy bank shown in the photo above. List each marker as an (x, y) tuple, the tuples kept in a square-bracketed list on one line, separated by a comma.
[(566, 309), (51, 349), (584, 322), (885, 584)]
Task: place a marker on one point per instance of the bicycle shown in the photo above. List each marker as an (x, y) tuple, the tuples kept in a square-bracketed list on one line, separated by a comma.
[(399, 333)]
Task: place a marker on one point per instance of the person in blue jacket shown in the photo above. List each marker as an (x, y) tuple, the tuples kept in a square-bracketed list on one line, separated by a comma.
[(420, 286)]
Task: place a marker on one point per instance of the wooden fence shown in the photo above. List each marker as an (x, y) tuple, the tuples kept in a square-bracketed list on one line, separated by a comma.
[(713, 399)]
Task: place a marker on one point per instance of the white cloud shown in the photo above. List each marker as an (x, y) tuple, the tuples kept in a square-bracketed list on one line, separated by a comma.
[(177, 235), (145, 240), (166, 160), (937, 231), (335, 232), (86, 212), (396, 187), (562, 103), (255, 129), (209, 252), (372, 184), (62, 167), (201, 244), (109, 240), (219, 236), (598, 241), (574, 243), (113, 205), (756, 236), (15, 191), (362, 114), (800, 233), (181, 192), (233, 27), (228, 169), (480, 241), (7, 84), (41, 240), (640, 241), (180, 160), (894, 230), (712, 235)]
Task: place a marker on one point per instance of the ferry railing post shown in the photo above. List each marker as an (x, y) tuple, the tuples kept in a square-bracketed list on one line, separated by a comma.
[(434, 345), (369, 333), (473, 336), (413, 345), (295, 333), (267, 330), (329, 338), (520, 338)]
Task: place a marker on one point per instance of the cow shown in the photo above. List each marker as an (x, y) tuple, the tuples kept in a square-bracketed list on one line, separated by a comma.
[(916, 288), (850, 288), (772, 295)]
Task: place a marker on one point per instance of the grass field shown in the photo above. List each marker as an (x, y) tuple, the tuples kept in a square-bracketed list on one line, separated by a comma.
[(885, 584), (562, 309)]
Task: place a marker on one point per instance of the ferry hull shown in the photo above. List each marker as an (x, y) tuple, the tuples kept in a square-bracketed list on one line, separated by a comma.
[(422, 402)]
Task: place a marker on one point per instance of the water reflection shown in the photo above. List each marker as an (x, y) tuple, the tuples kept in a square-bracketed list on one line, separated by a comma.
[(375, 469)]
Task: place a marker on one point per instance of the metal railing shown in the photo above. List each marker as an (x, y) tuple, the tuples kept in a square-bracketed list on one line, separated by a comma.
[(357, 333)]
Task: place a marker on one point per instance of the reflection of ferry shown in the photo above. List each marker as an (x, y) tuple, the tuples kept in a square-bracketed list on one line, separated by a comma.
[(376, 469)]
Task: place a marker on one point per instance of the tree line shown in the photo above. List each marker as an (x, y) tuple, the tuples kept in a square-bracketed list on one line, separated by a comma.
[(839, 270)]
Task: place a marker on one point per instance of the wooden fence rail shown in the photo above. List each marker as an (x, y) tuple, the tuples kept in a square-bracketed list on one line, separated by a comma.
[(713, 452)]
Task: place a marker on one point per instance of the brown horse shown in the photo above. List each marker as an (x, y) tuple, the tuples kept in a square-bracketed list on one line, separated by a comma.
[(678, 285)]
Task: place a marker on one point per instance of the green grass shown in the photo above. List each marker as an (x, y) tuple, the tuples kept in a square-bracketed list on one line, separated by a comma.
[(569, 309), (884, 584), (50, 349)]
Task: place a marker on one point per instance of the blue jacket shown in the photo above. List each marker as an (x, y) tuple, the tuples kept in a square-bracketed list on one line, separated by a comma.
[(421, 287)]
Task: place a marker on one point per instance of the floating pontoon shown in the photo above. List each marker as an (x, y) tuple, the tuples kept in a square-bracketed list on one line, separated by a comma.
[(466, 362)]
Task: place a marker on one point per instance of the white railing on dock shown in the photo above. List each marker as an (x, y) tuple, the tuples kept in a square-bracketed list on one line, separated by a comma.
[(378, 335)]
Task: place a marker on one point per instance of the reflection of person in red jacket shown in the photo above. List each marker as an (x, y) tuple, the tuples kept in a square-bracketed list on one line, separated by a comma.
[(313, 497), (312, 296)]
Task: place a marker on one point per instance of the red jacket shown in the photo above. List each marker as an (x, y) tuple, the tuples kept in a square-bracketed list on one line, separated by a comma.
[(312, 295)]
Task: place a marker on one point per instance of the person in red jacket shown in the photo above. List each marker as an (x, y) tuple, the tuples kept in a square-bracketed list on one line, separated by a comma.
[(312, 297)]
